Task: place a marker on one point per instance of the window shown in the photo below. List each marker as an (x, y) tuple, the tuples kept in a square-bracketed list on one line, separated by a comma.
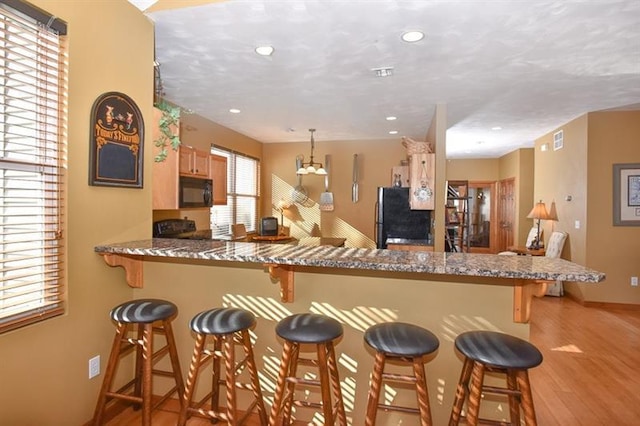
[(32, 155), (243, 193)]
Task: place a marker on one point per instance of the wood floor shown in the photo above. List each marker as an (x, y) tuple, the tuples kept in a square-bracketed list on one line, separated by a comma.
[(590, 375)]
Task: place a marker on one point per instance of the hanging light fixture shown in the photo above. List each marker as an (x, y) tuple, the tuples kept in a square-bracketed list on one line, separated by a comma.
[(311, 167)]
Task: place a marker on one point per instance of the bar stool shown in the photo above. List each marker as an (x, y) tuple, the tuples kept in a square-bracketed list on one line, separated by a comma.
[(141, 314), (227, 327), (321, 331), (495, 352), (407, 344)]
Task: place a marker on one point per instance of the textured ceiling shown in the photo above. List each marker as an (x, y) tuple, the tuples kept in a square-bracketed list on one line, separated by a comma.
[(526, 66)]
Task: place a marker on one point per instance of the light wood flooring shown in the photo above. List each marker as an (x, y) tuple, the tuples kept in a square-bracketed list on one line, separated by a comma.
[(590, 375)]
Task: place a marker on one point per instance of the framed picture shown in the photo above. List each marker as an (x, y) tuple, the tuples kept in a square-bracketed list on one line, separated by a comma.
[(626, 194), (116, 142)]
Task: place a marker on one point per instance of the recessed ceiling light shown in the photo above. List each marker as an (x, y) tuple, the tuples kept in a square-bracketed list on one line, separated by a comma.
[(393, 132), (480, 142), (264, 50), (496, 128), (391, 118), (412, 36), (234, 111)]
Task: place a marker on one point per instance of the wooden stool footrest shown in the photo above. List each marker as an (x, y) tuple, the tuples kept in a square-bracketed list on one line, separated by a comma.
[(398, 408), (399, 378), (301, 381), (501, 391), (489, 422)]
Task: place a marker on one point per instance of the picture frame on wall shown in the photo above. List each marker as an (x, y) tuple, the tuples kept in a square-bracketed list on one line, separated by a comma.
[(116, 142), (626, 194)]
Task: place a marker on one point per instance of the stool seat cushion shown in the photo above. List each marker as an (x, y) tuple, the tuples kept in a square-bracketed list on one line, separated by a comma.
[(143, 311), (222, 321), (498, 350), (401, 339), (309, 328)]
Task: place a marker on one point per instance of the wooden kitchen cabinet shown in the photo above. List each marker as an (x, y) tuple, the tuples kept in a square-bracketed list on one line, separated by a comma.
[(193, 162), (218, 173)]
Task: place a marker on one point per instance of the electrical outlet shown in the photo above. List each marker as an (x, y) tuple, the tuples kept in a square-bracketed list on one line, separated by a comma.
[(634, 281), (94, 366)]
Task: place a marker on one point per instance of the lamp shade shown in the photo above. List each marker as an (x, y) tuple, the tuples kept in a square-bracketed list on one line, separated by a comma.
[(539, 211)]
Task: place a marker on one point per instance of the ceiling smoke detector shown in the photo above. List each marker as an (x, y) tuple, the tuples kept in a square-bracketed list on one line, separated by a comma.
[(383, 72)]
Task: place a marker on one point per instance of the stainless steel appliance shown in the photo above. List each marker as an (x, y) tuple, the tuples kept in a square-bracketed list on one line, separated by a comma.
[(195, 192), (394, 218)]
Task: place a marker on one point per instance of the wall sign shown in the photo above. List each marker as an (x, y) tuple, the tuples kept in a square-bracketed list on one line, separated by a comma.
[(117, 136), (626, 194)]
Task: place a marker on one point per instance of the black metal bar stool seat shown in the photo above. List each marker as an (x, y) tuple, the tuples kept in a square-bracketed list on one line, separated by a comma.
[(226, 327), (321, 331), (407, 344), (495, 352), (138, 321)]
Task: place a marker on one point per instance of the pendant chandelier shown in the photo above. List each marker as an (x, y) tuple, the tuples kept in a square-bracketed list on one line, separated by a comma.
[(311, 167)]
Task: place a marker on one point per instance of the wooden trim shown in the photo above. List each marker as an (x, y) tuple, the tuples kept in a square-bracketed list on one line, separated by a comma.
[(131, 264), (523, 293), (284, 274)]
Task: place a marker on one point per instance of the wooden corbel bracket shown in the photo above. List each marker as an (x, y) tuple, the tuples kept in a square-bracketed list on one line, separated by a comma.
[(523, 293), (284, 274), (132, 266)]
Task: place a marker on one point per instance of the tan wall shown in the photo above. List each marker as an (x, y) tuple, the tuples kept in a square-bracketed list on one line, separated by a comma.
[(614, 137), (354, 221), (473, 169), (54, 354), (560, 174), (518, 164), (446, 308)]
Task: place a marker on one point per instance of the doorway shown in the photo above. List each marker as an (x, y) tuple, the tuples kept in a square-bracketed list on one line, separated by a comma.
[(482, 217), (506, 213)]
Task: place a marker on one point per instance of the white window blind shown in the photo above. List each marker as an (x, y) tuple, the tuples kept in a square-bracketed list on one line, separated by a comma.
[(243, 193), (32, 155)]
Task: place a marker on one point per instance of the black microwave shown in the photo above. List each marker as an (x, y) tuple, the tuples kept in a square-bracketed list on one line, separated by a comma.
[(195, 192)]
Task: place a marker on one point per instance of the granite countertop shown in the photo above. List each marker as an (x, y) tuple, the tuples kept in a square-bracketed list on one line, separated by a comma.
[(464, 264)]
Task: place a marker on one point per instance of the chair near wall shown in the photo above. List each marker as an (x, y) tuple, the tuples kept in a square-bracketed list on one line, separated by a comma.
[(239, 232), (554, 250), (533, 232)]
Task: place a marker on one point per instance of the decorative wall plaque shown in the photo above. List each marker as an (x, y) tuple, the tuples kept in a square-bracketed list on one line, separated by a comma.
[(117, 136)]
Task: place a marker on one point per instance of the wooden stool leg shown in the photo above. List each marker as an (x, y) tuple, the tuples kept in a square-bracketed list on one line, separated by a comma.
[(335, 383), (475, 394), (147, 365), (514, 400), (139, 363), (253, 374), (216, 381), (423, 392), (112, 365), (375, 389), (175, 361), (462, 391), (230, 367), (290, 386), (522, 377), (280, 384), (192, 378), (325, 386)]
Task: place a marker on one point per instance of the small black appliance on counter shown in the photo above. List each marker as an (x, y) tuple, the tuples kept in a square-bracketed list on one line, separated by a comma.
[(269, 226)]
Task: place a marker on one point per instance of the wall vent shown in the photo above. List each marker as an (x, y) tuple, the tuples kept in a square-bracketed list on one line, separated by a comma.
[(558, 140)]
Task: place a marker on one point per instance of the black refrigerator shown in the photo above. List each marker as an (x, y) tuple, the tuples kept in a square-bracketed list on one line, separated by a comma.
[(394, 218)]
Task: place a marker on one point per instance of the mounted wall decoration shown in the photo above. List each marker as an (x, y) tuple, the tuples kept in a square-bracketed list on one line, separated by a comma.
[(626, 194), (117, 139)]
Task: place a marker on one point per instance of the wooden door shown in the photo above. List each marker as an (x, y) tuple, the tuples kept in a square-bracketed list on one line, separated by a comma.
[(506, 213)]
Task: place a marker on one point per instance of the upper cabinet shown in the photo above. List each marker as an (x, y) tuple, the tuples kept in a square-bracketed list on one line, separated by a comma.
[(194, 162), (218, 173)]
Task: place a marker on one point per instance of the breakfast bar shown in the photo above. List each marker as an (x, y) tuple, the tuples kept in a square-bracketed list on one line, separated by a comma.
[(447, 293)]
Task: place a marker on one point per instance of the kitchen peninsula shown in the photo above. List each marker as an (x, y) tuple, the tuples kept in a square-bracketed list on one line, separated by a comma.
[(447, 293)]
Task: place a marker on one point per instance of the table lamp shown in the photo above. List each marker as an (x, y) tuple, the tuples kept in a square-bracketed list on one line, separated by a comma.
[(539, 212)]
